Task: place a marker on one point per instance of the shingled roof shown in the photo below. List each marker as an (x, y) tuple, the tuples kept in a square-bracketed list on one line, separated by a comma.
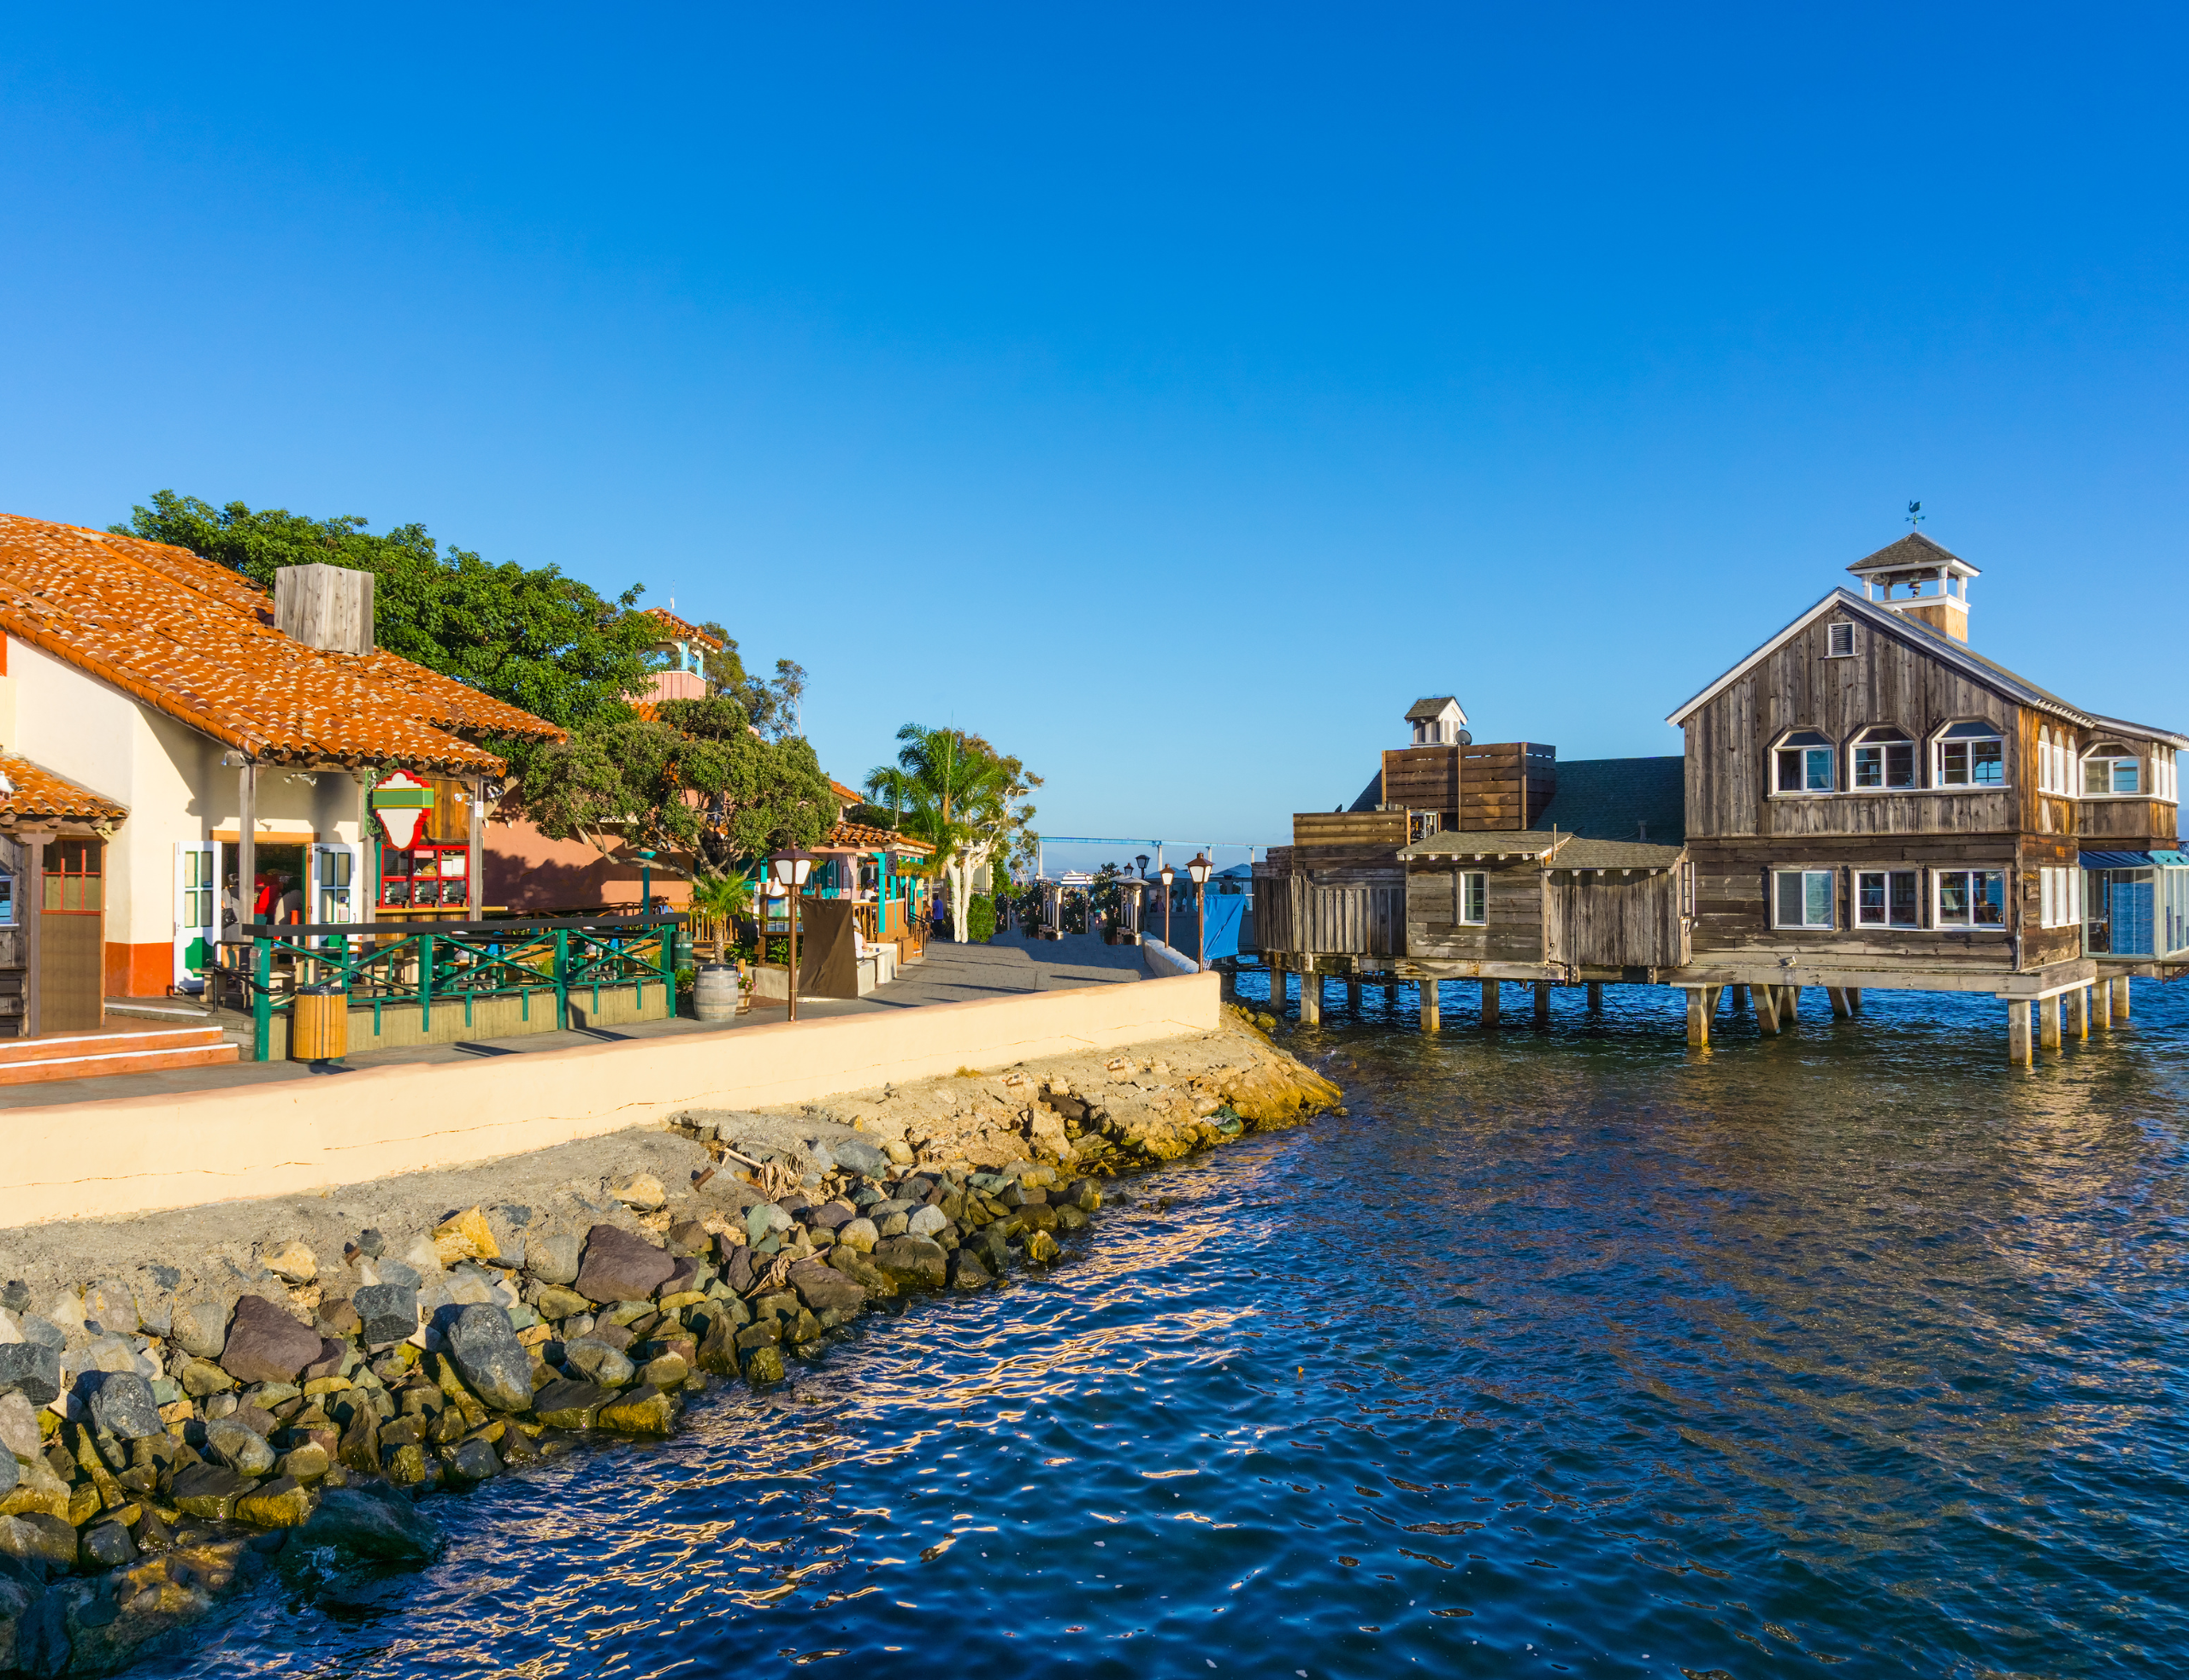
[(858, 837), (191, 639), (1620, 800), (32, 793)]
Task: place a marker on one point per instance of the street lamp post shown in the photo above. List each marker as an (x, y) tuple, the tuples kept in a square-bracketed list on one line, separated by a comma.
[(645, 881), (1199, 871), (1166, 874), (790, 868)]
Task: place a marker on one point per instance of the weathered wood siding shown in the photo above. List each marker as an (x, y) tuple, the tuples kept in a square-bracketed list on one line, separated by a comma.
[(1886, 680), (1315, 828), (1297, 915), (2128, 825), (1422, 778), (1609, 920), (1506, 785), (1513, 906)]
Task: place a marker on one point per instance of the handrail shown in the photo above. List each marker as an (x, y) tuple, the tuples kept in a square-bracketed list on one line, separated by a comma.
[(393, 962)]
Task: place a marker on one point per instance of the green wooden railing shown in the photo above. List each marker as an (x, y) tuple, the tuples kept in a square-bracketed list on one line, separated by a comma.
[(447, 965)]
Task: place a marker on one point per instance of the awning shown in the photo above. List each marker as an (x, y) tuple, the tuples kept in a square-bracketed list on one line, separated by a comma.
[(2135, 860)]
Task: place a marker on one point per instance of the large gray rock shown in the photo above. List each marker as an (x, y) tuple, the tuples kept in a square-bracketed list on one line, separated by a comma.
[(201, 1329), (388, 1312), (35, 1537), (762, 1217), (621, 1267), (31, 1369), (10, 1474), (112, 1306), (122, 1405), (608, 1366), (821, 1287), (856, 1154), (374, 1521), (489, 1357), (241, 1448), (910, 1260), (266, 1345), (925, 1222), (19, 1436), (552, 1259)]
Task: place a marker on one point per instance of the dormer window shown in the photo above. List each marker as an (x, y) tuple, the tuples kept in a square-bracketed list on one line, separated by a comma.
[(1806, 764), (1884, 757), (1971, 755), (2110, 768), (1839, 642)]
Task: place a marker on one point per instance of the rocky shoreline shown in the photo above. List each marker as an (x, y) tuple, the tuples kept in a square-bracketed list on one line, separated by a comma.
[(171, 1426)]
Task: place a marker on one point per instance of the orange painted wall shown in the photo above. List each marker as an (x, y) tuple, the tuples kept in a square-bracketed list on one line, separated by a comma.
[(138, 971)]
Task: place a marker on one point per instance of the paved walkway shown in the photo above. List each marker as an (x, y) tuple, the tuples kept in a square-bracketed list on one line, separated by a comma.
[(950, 974)]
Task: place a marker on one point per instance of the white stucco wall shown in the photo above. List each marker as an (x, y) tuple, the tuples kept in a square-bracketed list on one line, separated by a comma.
[(168, 775)]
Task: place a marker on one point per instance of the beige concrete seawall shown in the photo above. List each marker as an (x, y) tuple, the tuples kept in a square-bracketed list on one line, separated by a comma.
[(95, 1160)]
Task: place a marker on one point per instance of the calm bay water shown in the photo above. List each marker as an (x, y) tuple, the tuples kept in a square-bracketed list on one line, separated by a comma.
[(1855, 1351)]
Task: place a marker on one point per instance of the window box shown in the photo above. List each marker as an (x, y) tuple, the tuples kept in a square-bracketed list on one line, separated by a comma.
[(1804, 898)]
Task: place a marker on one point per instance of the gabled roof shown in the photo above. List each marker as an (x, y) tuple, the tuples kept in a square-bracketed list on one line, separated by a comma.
[(32, 793), (191, 639), (1426, 710), (2120, 726), (1988, 672), (1488, 843)]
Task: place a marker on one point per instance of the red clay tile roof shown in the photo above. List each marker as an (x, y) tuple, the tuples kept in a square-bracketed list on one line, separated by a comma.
[(857, 837), (845, 793), (684, 631), (34, 794), (195, 640)]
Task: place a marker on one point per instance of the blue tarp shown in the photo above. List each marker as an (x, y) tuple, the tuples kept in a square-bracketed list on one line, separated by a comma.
[(2120, 860)]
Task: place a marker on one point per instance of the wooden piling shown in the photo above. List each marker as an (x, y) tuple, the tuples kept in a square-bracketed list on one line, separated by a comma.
[(1596, 997), (1740, 999), (1853, 999), (1767, 1011), (1310, 997), (1432, 1016), (1353, 996), (2078, 1002), (2019, 1054), (1490, 1000), (2048, 1024), (1543, 1003), (1838, 996), (2120, 997), (1698, 1018), (1790, 1005), (1276, 986)]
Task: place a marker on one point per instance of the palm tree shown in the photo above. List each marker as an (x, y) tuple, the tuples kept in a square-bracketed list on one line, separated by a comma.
[(953, 790)]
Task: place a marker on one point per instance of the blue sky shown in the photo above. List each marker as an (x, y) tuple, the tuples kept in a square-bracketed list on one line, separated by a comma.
[(1170, 394)]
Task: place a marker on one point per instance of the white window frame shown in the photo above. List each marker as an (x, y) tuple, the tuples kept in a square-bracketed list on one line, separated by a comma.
[(1839, 640), (1478, 880), (2166, 775), (2058, 900), (1830, 877), (1863, 743), (1804, 791), (2113, 760), (1972, 878), (1941, 741), (1886, 875)]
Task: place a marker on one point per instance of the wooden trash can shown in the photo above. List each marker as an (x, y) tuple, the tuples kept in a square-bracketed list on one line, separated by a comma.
[(714, 993), (319, 1026)]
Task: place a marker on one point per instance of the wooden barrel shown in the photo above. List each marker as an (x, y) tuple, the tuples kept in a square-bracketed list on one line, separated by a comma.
[(319, 1030), (714, 994)]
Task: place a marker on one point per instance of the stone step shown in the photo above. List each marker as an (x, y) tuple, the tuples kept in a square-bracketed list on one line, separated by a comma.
[(84, 1055)]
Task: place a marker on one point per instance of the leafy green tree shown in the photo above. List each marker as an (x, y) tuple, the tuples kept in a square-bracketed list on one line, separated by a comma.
[(775, 705), (531, 636), (694, 781)]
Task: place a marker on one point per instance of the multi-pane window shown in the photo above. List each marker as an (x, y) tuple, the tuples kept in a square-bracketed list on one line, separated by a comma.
[(1803, 899), (1972, 755), (2057, 898), (1804, 761), (1884, 757), (2166, 772), (1887, 899), (1473, 894), (2056, 763), (1971, 899), (196, 887), (72, 870), (2111, 768)]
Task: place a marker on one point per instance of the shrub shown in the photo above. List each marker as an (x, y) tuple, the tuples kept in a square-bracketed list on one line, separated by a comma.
[(980, 919)]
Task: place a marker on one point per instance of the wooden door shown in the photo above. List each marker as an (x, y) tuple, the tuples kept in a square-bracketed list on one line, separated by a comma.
[(71, 990)]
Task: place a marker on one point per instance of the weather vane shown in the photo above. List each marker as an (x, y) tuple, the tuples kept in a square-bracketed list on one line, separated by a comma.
[(1915, 515)]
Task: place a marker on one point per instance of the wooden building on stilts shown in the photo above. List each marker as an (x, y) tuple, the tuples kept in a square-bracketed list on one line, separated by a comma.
[(1863, 801)]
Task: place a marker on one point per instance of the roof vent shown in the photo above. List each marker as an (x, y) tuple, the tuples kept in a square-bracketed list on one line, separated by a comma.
[(327, 607)]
